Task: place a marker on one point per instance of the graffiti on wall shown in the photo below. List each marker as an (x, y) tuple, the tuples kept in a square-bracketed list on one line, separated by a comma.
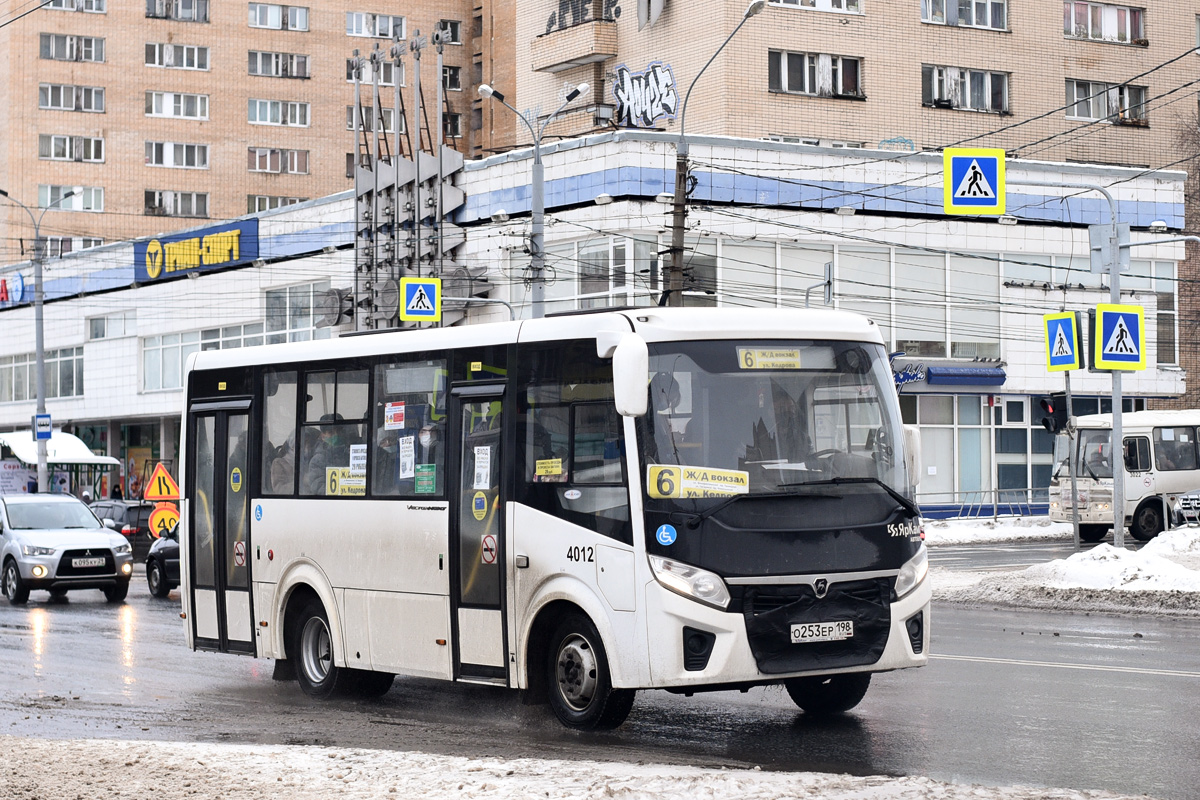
[(577, 12), (643, 97)]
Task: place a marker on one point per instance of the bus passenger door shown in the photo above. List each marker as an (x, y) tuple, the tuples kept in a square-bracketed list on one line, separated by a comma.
[(219, 528), (477, 534)]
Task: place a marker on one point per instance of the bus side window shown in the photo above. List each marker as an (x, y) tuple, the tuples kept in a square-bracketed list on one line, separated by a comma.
[(1175, 448), (279, 433), (407, 428), (332, 437), (1137, 454)]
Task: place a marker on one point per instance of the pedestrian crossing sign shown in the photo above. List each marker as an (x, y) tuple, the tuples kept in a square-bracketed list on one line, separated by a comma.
[(422, 299), (1120, 337), (973, 180), (1063, 346)]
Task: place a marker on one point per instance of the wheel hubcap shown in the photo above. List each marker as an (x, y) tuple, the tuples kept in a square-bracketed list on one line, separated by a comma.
[(316, 656), (576, 670), (154, 579), (10, 585)]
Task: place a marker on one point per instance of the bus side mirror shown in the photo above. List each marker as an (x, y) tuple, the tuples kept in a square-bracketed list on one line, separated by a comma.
[(631, 370), (912, 453)]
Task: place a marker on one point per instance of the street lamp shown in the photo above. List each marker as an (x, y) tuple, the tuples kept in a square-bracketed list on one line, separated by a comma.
[(538, 199), (43, 473), (674, 277)]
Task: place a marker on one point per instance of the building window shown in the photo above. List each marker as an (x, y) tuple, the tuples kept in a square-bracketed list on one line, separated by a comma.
[(164, 358), (112, 326), (64, 375), (277, 112), (180, 10), (386, 123), (60, 97), (277, 17), (176, 56), (290, 316), (270, 159), (966, 13), (179, 156), (57, 246), (278, 65), (476, 119), (1097, 101), (1103, 22), (176, 204), (451, 30), (175, 104), (380, 26), (844, 6), (264, 202), (89, 6), (452, 78), (60, 47), (232, 337), (452, 126), (814, 73), (387, 73), (964, 89), (86, 198), (60, 147)]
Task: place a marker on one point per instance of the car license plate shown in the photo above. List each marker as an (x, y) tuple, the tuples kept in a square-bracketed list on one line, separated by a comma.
[(822, 632), (87, 562)]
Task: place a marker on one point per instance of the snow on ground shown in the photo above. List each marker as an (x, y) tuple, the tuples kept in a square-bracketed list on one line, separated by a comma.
[(1163, 577), (99, 770), (986, 530)]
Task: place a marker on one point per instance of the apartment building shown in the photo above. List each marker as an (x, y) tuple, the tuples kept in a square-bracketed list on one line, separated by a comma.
[(167, 113)]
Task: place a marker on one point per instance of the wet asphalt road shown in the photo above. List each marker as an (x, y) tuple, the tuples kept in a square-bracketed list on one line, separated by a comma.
[(1010, 697)]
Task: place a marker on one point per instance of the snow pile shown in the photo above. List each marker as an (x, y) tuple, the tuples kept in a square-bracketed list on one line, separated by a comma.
[(985, 530), (175, 771), (1161, 578)]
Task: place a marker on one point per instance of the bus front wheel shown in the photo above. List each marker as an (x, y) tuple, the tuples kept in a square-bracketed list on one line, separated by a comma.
[(581, 690), (828, 694), (1147, 521), (311, 650), (1092, 533)]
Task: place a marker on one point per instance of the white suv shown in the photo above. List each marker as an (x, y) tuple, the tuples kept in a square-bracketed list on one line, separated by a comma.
[(55, 542)]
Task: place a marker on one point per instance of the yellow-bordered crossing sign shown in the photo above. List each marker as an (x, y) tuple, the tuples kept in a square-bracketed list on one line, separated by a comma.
[(973, 180)]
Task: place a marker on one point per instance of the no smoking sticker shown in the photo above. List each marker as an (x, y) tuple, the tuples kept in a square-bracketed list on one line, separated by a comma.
[(239, 553), (489, 549)]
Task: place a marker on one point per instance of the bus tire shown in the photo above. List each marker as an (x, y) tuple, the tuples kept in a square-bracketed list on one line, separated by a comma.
[(368, 683), (1147, 520), (828, 694), (1092, 533), (311, 650), (579, 682)]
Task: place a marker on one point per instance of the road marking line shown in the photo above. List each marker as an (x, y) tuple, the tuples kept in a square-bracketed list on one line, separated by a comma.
[(1024, 663)]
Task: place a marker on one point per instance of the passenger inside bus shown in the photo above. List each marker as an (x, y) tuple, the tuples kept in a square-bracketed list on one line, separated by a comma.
[(331, 448)]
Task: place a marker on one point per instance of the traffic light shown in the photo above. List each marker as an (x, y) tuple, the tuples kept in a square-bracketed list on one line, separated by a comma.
[(1054, 412)]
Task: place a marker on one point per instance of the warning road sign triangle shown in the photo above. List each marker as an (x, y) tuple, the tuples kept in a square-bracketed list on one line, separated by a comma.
[(1121, 342), (974, 183), (1061, 346), (161, 485)]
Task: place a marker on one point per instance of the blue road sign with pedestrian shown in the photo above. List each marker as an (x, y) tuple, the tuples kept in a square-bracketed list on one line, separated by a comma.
[(973, 181), (1120, 337), (1063, 348), (422, 299)]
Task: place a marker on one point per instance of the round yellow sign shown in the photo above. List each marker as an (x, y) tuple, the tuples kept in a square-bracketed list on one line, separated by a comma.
[(235, 480), (479, 505), (162, 519)]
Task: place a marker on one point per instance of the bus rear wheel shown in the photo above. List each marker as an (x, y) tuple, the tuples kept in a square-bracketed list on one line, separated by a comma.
[(828, 694), (311, 650), (581, 691), (1092, 533), (1147, 521)]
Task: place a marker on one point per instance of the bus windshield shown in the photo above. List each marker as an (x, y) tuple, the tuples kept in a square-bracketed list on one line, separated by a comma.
[(1095, 454), (764, 417)]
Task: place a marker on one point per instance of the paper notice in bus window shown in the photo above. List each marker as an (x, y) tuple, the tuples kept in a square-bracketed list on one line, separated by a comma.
[(483, 467), (408, 457), (768, 358), (1168, 434), (548, 466), (344, 482), (393, 416), (675, 481), (358, 458), (426, 481)]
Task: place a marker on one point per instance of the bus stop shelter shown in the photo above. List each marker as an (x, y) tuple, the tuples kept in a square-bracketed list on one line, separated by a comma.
[(65, 453)]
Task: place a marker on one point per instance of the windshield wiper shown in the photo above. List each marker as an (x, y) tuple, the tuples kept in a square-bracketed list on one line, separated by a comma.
[(694, 520), (905, 503)]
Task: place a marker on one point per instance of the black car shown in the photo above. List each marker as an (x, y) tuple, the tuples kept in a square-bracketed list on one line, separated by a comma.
[(128, 517), (162, 564)]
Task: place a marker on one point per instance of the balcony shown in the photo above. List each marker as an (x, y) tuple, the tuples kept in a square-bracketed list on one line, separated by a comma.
[(587, 43)]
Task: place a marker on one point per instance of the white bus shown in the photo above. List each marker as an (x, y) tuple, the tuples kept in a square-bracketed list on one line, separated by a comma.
[(1161, 465), (579, 507)]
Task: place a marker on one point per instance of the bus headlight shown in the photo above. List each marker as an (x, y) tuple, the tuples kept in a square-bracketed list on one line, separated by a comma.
[(689, 581), (912, 573)]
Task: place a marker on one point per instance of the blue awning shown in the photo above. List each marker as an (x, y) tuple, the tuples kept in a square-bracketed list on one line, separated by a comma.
[(965, 376)]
